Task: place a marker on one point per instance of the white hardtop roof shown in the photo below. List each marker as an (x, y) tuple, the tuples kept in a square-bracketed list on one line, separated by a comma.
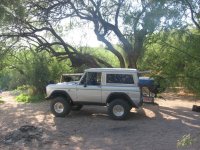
[(122, 70)]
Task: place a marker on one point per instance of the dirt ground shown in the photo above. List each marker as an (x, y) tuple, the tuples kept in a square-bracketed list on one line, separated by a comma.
[(152, 127)]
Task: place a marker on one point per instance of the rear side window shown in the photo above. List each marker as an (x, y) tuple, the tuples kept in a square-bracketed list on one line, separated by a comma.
[(120, 78)]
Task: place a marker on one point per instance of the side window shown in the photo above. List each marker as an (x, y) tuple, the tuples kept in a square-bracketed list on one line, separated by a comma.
[(93, 78), (83, 81), (120, 78)]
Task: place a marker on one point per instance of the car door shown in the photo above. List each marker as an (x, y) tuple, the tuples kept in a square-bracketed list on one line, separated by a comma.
[(89, 89)]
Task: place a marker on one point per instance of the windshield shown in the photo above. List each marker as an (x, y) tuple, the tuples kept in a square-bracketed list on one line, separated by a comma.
[(70, 78)]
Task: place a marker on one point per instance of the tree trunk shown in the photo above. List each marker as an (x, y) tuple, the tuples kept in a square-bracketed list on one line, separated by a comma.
[(132, 61), (137, 49), (134, 55)]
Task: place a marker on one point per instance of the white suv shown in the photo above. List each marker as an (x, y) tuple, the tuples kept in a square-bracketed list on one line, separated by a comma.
[(116, 88)]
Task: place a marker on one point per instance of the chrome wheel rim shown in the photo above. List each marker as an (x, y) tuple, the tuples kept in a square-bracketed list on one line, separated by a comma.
[(58, 107), (118, 110)]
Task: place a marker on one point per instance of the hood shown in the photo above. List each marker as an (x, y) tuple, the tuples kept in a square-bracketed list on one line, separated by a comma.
[(63, 85)]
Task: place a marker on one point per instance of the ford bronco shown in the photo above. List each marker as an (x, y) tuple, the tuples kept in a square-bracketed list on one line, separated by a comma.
[(116, 88)]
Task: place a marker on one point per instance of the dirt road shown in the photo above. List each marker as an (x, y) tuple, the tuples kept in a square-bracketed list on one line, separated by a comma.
[(153, 127)]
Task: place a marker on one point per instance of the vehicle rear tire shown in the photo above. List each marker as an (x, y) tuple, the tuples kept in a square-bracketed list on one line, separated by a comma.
[(77, 107), (118, 109), (60, 107)]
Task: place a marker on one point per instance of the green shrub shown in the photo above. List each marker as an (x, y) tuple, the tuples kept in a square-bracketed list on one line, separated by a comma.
[(26, 89), (1, 100), (25, 98), (175, 57), (186, 140), (27, 94)]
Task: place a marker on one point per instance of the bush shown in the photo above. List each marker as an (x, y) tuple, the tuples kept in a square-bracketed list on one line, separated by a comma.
[(175, 57), (1, 102), (27, 94), (30, 90), (25, 98), (186, 140)]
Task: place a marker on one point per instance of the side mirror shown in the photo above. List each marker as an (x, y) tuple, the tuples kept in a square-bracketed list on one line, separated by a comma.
[(85, 84)]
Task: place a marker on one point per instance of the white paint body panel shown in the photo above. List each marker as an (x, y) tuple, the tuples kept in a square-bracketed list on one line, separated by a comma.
[(88, 94)]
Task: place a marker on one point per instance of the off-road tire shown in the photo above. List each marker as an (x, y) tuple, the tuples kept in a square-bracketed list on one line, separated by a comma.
[(65, 105), (123, 105)]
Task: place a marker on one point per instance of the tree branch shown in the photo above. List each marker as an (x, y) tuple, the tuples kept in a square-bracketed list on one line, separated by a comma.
[(182, 51), (120, 2), (192, 15), (108, 44)]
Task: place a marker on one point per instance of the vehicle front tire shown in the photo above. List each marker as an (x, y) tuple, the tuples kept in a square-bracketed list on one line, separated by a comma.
[(118, 109), (77, 107), (60, 107)]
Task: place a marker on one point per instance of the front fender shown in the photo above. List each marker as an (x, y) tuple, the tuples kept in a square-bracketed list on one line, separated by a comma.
[(58, 93)]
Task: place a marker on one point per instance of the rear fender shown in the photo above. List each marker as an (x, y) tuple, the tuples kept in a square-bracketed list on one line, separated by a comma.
[(120, 95)]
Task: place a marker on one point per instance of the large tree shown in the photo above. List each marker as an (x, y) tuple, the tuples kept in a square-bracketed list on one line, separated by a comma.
[(129, 21), (7, 17), (193, 7), (7, 7)]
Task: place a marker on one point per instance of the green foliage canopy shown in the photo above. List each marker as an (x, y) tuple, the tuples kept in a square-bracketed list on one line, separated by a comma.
[(175, 56)]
